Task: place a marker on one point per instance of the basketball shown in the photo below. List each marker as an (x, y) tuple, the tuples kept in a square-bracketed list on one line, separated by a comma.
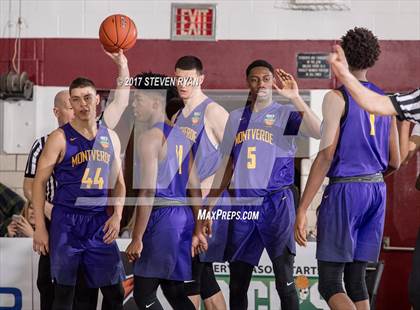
[(117, 32)]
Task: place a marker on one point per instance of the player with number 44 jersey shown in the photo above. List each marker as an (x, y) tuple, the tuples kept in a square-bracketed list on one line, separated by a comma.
[(86, 164)]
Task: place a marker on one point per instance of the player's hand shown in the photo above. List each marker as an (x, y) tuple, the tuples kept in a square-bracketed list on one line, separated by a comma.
[(12, 229), (300, 227), (199, 244), (118, 58), (288, 86), (25, 228), (207, 228), (111, 229), (338, 62), (134, 249), (40, 241)]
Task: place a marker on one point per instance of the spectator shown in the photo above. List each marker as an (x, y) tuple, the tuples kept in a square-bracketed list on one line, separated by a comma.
[(10, 203), (22, 225)]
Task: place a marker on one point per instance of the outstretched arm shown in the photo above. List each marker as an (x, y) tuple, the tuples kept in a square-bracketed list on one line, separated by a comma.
[(116, 108), (370, 101)]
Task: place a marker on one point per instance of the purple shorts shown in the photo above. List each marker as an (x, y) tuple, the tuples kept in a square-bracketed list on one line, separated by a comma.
[(76, 241), (273, 230), (351, 222), (167, 242)]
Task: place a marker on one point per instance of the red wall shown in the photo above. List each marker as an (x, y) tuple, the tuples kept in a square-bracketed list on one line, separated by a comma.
[(55, 62), (58, 61)]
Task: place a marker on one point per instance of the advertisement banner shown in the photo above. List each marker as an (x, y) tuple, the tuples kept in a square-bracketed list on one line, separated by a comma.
[(19, 269)]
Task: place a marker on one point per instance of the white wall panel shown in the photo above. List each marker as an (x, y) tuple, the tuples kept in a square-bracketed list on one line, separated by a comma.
[(390, 19)]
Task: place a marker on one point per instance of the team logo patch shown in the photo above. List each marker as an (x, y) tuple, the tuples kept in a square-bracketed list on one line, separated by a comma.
[(196, 118), (104, 141), (269, 119)]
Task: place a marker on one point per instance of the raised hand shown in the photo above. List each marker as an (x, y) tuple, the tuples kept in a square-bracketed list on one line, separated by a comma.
[(288, 86), (118, 58), (338, 62)]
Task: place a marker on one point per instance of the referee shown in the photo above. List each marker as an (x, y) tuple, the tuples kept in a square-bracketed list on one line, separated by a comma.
[(405, 106), (64, 113)]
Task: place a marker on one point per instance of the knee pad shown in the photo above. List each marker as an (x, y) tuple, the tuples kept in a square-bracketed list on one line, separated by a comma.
[(330, 279), (208, 284), (355, 282), (175, 293), (149, 302), (193, 286)]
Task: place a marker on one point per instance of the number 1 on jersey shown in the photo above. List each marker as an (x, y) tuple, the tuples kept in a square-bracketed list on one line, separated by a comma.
[(372, 124), (179, 149)]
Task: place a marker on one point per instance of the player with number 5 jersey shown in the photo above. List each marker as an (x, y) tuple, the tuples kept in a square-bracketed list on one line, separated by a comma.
[(259, 150)]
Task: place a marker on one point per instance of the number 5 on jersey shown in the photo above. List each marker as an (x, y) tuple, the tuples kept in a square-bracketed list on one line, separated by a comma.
[(252, 157)]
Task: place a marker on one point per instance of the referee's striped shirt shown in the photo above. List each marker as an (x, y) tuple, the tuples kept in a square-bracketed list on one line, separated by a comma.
[(32, 163), (408, 106)]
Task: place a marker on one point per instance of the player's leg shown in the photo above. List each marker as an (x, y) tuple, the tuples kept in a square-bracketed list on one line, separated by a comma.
[(330, 285), (145, 293), (65, 257), (113, 296), (44, 283), (192, 287), (85, 298), (355, 282), (175, 293), (276, 229), (210, 290), (63, 297), (285, 284), (240, 278)]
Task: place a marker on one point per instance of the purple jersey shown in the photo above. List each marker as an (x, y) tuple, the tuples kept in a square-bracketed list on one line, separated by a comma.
[(84, 170), (262, 145), (363, 145), (173, 173), (206, 156)]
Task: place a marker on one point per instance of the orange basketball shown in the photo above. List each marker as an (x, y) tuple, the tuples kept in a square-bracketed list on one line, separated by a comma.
[(117, 32)]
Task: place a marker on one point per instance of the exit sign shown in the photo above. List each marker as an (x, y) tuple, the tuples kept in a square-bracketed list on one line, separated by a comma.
[(193, 22)]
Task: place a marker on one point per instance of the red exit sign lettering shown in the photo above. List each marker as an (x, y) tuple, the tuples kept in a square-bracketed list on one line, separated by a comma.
[(193, 22)]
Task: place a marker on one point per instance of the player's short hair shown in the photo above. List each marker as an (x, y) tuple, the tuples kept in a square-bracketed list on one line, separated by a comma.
[(189, 62), (361, 47), (81, 82), (143, 83), (259, 63)]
